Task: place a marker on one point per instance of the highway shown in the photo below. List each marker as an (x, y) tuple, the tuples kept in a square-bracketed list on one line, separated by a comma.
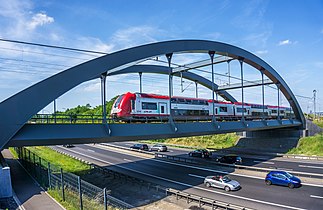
[(262, 161), (254, 192)]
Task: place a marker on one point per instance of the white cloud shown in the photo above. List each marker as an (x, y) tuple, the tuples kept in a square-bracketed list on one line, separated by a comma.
[(134, 36), (39, 19), (284, 42), (258, 39), (93, 87), (261, 52), (94, 44)]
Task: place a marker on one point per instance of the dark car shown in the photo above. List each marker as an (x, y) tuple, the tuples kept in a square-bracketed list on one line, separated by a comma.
[(159, 148), (230, 159), (282, 178), (68, 145), (203, 153), (140, 147)]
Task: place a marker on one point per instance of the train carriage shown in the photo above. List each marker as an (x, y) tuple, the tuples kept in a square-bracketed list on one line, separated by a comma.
[(152, 107)]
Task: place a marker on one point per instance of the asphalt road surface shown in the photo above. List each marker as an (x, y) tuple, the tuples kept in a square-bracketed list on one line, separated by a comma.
[(308, 166), (254, 193)]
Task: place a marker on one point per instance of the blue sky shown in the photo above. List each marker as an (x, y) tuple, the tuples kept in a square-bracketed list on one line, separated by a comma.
[(287, 34)]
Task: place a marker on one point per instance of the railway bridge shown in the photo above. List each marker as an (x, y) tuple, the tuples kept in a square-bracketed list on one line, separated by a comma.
[(18, 111)]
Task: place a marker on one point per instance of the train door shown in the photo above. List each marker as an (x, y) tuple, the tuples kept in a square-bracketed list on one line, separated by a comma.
[(162, 108)]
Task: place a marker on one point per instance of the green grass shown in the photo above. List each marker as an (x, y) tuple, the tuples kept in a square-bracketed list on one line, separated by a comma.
[(312, 145), (219, 141), (319, 123), (67, 163), (72, 201), (13, 152)]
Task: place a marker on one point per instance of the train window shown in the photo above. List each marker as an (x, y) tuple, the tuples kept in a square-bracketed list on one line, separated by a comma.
[(196, 102), (274, 111), (133, 104), (118, 101), (149, 106), (223, 109), (240, 109), (204, 112), (181, 101), (189, 101), (162, 109), (173, 100), (282, 112)]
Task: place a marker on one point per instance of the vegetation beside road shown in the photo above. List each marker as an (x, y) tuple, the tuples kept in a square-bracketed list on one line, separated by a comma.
[(68, 164), (73, 202), (312, 145), (319, 122), (220, 141), (88, 109)]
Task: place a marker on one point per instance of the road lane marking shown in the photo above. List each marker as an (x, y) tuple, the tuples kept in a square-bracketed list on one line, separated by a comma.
[(284, 169), (129, 144), (304, 166), (90, 150), (265, 162), (189, 185), (128, 160), (211, 170), (315, 196), (197, 176)]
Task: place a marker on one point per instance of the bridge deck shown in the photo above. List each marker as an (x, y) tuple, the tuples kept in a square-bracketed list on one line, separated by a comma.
[(54, 134)]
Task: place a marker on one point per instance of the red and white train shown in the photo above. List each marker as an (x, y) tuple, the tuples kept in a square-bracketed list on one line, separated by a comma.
[(142, 106)]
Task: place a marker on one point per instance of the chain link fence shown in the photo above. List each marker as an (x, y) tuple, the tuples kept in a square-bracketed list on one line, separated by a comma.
[(67, 187)]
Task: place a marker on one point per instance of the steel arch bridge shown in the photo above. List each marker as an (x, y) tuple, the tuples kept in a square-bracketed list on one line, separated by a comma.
[(18, 109)]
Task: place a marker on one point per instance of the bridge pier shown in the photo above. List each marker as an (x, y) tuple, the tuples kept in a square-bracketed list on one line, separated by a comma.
[(5, 179), (273, 140)]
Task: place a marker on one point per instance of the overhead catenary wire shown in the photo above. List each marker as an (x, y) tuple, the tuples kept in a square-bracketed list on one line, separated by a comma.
[(83, 51)]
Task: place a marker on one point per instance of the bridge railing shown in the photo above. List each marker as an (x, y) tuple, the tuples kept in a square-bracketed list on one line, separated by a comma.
[(98, 119), (65, 119)]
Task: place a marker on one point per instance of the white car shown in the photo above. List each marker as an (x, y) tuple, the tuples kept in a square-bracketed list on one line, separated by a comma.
[(159, 148), (223, 182)]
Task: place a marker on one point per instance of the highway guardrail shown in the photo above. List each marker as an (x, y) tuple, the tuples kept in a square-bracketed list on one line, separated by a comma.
[(201, 162), (203, 200)]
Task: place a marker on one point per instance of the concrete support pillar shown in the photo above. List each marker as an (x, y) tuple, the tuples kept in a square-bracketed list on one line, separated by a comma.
[(263, 93), (278, 101), (170, 84), (242, 93), (212, 53), (140, 82), (196, 91), (103, 97)]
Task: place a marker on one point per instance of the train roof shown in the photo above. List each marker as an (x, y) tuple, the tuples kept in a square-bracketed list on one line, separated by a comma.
[(151, 95)]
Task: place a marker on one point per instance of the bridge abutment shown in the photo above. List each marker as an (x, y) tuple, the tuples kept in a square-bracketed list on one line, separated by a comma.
[(273, 140)]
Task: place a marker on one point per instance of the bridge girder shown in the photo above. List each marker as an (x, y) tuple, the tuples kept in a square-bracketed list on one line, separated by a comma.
[(19, 108)]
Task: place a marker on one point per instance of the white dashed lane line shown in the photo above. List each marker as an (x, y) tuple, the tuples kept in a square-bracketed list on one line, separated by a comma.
[(315, 196), (305, 166), (265, 162), (197, 176)]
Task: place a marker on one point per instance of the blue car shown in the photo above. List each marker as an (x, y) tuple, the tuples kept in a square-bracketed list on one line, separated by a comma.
[(282, 178)]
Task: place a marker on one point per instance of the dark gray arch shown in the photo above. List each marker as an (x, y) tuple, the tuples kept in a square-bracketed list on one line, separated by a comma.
[(18, 109), (165, 70)]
